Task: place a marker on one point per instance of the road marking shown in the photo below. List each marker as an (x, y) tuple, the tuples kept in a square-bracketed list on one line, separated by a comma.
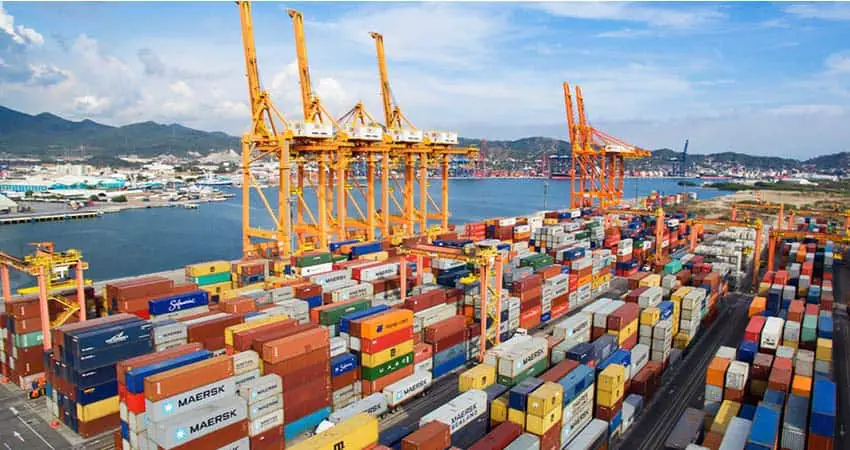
[(36, 433), (14, 411), (18, 435), (7, 446)]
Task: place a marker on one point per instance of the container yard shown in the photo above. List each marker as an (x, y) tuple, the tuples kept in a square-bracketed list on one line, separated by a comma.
[(586, 328)]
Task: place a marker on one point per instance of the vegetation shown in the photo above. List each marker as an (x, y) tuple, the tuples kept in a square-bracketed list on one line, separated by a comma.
[(729, 186), (686, 183), (119, 199)]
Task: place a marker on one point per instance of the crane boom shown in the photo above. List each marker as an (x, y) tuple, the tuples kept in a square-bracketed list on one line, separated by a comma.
[(386, 99), (303, 67), (250, 56)]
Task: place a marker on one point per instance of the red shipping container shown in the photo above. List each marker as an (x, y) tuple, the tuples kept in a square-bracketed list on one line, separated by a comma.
[(385, 342), (292, 365), (295, 345), (530, 318), (370, 387), (295, 411), (630, 342), (198, 332), (422, 352), (269, 440), (425, 300), (307, 290), (294, 379), (753, 330), (811, 309), (733, 395), (560, 310), (761, 366), (444, 328), (218, 438), (559, 371), (242, 340), (818, 442), (551, 439), (239, 305), (258, 342), (431, 436), (623, 316), (316, 389), (348, 378), (607, 413), (450, 341), (499, 438)]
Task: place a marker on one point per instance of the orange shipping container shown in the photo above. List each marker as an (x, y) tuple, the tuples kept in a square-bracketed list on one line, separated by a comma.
[(182, 379), (716, 373), (802, 386), (382, 324), (299, 344)]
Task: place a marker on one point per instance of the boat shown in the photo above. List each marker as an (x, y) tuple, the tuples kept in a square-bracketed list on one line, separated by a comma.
[(214, 180)]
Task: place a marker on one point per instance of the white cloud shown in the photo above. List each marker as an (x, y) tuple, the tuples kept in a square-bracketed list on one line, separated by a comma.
[(181, 88), (91, 104), (822, 11), (648, 14), (19, 34), (838, 63), (808, 110)]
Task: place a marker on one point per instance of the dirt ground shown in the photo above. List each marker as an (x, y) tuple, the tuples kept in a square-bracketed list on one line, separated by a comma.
[(721, 207)]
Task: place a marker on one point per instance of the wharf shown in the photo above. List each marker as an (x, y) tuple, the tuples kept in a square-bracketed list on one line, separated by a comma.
[(50, 217)]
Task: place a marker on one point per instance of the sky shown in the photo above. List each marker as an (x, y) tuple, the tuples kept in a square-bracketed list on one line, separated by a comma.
[(760, 78)]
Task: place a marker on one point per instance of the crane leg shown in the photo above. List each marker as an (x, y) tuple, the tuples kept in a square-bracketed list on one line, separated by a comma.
[(482, 315), (42, 306), (4, 279), (81, 293), (402, 279)]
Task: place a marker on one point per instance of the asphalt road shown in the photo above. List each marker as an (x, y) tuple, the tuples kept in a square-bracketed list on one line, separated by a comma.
[(21, 427), (683, 385)]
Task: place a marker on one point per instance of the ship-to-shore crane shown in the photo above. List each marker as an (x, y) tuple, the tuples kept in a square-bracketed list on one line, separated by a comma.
[(597, 167)]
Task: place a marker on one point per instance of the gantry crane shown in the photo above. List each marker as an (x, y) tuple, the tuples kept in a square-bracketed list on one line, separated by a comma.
[(427, 149), (50, 269), (780, 219), (843, 240), (843, 216), (697, 226), (597, 167), (490, 269), (268, 138)]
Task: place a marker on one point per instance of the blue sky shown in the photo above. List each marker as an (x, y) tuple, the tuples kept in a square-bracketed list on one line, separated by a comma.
[(761, 78)]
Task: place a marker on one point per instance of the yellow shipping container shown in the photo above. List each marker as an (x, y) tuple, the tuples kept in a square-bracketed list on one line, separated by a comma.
[(356, 432), (229, 331), (97, 409), (802, 386), (217, 288), (516, 416), (383, 324), (540, 425), (790, 344), (544, 399), (478, 377), (824, 350), (625, 333), (681, 340), (651, 280), (383, 356), (728, 410), (585, 280), (611, 378), (236, 292), (499, 409), (680, 293), (609, 398), (649, 316), (763, 289), (377, 256), (196, 270)]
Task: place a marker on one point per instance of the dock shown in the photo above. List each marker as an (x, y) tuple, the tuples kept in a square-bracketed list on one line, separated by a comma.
[(50, 217)]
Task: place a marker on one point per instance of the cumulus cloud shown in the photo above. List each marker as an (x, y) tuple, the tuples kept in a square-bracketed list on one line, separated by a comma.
[(676, 17), (91, 104), (151, 62), (18, 34), (822, 11)]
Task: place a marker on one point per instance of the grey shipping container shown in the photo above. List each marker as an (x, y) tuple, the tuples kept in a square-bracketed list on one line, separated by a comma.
[(794, 423), (525, 441), (687, 430), (736, 434), (592, 437)]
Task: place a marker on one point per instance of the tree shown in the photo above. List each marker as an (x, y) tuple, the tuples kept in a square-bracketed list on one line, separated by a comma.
[(28, 194), (93, 197), (119, 199)]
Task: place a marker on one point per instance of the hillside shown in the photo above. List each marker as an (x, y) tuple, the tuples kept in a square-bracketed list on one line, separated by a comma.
[(47, 135)]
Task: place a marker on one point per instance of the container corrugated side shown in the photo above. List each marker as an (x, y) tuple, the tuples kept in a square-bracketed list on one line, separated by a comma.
[(460, 411)]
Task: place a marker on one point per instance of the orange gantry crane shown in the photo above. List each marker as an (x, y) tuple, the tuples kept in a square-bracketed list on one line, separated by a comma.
[(597, 167), (761, 206), (843, 240), (843, 216)]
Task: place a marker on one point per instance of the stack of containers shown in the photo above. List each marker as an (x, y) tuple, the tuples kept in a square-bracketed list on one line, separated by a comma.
[(345, 380), (529, 290), (132, 296), (301, 357), (823, 415), (466, 416), (213, 277), (808, 333), (600, 317), (132, 408), (448, 341), (168, 334), (662, 342), (579, 391), (179, 305), (544, 411), (312, 263), (191, 402), (527, 358), (623, 323), (22, 342), (386, 348), (573, 330), (85, 354), (264, 400), (610, 390)]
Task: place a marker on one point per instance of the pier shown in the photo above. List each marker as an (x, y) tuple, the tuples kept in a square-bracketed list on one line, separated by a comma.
[(49, 217)]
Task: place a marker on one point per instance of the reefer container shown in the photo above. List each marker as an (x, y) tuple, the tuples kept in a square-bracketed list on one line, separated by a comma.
[(375, 405), (401, 391), (191, 425), (458, 412)]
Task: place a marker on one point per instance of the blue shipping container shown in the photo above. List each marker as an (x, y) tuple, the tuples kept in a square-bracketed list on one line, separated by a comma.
[(93, 377), (305, 424), (177, 303), (334, 246), (448, 365), (365, 248), (603, 347), (345, 321), (582, 353), (825, 325), (666, 308), (747, 351), (518, 396), (97, 393), (775, 398), (342, 364), (823, 408), (765, 429), (110, 337), (450, 354), (135, 378), (576, 382), (110, 356), (495, 391), (621, 357)]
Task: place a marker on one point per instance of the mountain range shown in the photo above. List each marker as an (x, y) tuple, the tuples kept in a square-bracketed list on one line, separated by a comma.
[(48, 136)]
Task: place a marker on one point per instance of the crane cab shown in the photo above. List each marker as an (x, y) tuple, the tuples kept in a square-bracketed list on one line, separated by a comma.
[(312, 130), (365, 133), (407, 136), (442, 137)]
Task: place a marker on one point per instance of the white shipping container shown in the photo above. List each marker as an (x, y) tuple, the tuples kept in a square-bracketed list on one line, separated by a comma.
[(491, 357), (339, 345), (737, 374), (265, 406), (407, 388), (169, 333), (199, 422), (334, 276), (185, 401), (771, 334), (575, 325), (357, 291), (600, 317), (651, 297), (586, 439), (314, 270), (791, 333), (736, 434), (424, 366), (375, 404), (241, 444), (377, 272), (726, 352), (519, 358), (577, 414), (639, 358), (713, 394), (261, 387), (460, 411), (265, 423)]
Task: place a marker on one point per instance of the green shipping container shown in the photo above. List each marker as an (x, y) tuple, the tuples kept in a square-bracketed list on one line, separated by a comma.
[(332, 316), (373, 373), (673, 267), (582, 235), (809, 332), (29, 339), (536, 369), (313, 259), (213, 278), (340, 258)]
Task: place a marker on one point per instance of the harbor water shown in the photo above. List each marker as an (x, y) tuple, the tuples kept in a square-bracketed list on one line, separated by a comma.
[(150, 240)]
